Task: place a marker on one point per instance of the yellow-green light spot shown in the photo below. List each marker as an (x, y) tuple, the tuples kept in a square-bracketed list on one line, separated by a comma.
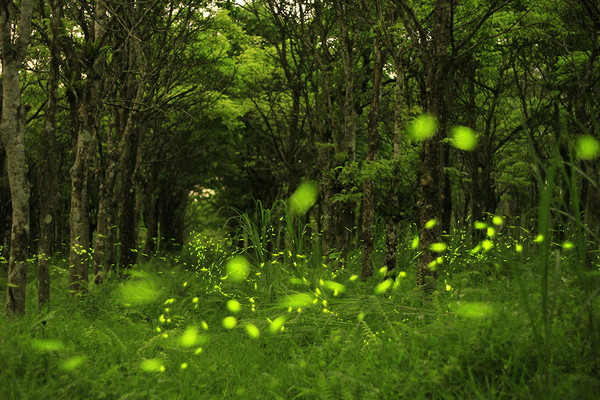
[(152, 365), (190, 337), (195, 300), (539, 238), (238, 268), (198, 351), (519, 248), (383, 286), (415, 243), (353, 278), (491, 232), (229, 322), (568, 245), (277, 324), (360, 316), (422, 127), (480, 225), (252, 331), (297, 300), (234, 306), (430, 224), (473, 310), (497, 220), (486, 245), (72, 362), (382, 271), (303, 198), (588, 147), (183, 366), (464, 138), (48, 344), (438, 247), (448, 288), (138, 292), (402, 274)]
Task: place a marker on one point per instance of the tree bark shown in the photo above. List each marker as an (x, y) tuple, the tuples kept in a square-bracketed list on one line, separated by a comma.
[(373, 139), (431, 183), (48, 186), (12, 131)]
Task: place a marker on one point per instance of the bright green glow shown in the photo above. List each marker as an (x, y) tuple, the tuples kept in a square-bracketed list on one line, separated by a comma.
[(298, 300), (138, 292), (415, 243), (238, 268), (497, 220), (183, 366), (304, 197), (486, 245), (431, 223), (234, 306), (252, 331), (152, 365), (438, 247), (383, 286), (588, 147), (491, 232), (190, 337), (539, 238), (402, 274), (568, 245), (48, 344), (480, 225), (473, 310), (277, 324), (423, 127), (464, 138), (72, 363), (382, 271), (229, 322), (519, 247)]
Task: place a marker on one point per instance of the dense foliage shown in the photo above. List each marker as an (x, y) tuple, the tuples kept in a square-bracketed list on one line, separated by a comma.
[(300, 199)]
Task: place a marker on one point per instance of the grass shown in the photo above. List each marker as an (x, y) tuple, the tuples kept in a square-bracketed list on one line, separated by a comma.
[(160, 334)]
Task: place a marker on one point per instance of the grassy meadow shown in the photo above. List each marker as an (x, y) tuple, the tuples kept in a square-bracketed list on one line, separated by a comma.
[(510, 318)]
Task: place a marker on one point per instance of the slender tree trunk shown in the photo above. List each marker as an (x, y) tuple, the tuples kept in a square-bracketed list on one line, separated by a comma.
[(12, 132), (48, 186), (368, 205), (431, 183)]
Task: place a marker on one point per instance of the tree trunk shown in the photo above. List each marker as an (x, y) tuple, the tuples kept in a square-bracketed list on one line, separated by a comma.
[(431, 183), (12, 132), (48, 186), (368, 213)]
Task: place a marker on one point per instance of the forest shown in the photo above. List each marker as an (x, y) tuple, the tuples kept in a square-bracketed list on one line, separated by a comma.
[(300, 199)]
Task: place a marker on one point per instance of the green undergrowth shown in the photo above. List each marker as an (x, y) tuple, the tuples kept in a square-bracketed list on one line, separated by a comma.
[(213, 323)]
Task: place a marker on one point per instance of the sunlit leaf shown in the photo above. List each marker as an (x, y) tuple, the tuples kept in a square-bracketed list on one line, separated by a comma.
[(464, 138), (304, 197), (588, 147), (238, 268), (423, 127)]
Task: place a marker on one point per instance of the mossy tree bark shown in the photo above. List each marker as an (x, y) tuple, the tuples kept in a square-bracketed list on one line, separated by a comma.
[(12, 131)]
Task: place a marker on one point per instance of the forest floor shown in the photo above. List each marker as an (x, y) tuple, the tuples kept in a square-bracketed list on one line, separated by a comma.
[(183, 328)]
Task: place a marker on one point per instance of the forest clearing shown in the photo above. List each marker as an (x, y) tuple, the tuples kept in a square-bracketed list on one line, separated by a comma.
[(312, 199)]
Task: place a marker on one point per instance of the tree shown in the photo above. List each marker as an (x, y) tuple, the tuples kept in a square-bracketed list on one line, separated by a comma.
[(12, 129)]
